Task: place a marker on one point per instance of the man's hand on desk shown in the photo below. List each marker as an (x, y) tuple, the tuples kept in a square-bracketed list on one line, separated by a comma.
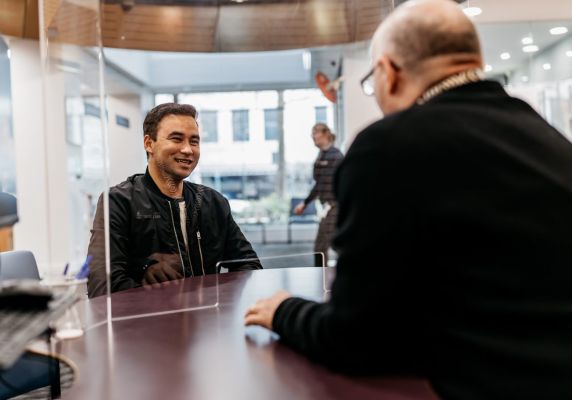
[(167, 268), (262, 312)]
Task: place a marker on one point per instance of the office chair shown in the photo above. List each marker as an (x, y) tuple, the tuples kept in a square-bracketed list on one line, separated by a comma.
[(8, 210), (19, 264)]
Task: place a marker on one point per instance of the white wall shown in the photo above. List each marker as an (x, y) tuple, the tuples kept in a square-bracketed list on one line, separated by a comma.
[(126, 153), (40, 166), (359, 110)]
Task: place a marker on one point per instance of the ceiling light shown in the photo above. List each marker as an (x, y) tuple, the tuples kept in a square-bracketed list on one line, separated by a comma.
[(472, 11), (488, 68), (527, 40), (524, 78), (546, 66), (505, 56), (559, 30), (569, 53), (530, 48)]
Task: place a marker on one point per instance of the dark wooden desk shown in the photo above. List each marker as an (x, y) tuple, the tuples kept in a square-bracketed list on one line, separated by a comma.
[(209, 354)]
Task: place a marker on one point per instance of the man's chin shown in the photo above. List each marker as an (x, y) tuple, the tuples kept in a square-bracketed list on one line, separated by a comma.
[(183, 173), (178, 174)]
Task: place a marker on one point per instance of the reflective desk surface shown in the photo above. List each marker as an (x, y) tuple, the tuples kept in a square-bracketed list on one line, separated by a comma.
[(208, 353)]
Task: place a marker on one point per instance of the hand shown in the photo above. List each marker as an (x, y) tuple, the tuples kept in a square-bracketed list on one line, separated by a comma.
[(168, 268), (262, 312), (300, 208)]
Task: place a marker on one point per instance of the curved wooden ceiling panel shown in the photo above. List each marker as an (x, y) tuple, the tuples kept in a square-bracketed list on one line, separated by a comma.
[(211, 26)]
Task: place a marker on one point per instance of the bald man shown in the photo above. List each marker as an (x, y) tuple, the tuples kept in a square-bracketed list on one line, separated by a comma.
[(454, 229)]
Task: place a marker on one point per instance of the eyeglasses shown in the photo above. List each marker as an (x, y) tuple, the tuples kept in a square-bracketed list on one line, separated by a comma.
[(367, 83)]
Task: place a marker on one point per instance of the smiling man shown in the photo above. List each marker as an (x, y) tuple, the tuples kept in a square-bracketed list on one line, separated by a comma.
[(162, 227)]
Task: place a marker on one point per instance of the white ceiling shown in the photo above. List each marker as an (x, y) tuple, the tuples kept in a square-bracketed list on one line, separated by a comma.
[(497, 38), (522, 10)]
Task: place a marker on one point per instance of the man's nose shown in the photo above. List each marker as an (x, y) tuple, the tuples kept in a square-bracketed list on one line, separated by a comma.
[(187, 148)]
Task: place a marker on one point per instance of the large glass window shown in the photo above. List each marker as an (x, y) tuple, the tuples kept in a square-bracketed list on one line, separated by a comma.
[(271, 124), (321, 114), (240, 128), (208, 126)]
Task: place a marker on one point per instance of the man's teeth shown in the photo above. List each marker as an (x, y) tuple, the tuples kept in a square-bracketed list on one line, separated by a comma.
[(185, 161)]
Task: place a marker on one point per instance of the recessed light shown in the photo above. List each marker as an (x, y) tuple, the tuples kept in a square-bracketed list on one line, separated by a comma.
[(472, 11), (505, 56), (559, 30), (488, 68), (527, 40), (524, 78), (532, 48), (569, 53), (546, 66)]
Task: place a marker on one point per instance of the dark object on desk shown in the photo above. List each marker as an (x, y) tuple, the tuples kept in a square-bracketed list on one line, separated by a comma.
[(19, 325), (24, 295), (8, 210)]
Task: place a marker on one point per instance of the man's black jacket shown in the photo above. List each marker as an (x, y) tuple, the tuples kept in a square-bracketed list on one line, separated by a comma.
[(143, 221), (455, 252)]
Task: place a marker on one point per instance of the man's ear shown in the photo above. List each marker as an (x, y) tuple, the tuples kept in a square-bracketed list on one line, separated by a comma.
[(390, 77), (147, 141)]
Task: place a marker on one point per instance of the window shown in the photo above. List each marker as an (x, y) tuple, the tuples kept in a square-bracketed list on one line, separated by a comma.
[(240, 126), (271, 124), (208, 126), (321, 114), (161, 98)]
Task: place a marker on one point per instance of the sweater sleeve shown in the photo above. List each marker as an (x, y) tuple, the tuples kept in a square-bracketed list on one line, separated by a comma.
[(372, 286)]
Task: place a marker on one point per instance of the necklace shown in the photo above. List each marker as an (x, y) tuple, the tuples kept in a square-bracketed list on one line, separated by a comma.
[(460, 79)]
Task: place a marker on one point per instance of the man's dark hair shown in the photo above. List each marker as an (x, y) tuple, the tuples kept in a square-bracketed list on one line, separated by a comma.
[(155, 116)]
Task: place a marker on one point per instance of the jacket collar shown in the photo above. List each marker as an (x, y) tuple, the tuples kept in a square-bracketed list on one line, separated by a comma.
[(152, 186)]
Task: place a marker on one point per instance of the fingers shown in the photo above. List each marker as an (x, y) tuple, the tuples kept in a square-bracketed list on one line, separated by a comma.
[(254, 315), (172, 274)]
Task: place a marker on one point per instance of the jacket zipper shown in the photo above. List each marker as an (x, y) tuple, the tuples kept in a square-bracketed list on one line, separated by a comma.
[(178, 246), (200, 251)]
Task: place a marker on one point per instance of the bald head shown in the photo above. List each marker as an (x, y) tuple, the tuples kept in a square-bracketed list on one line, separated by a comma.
[(420, 30)]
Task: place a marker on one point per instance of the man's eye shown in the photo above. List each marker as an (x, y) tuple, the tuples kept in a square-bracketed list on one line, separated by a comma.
[(176, 139)]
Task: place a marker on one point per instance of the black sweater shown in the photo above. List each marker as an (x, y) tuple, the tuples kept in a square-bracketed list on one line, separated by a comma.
[(455, 254)]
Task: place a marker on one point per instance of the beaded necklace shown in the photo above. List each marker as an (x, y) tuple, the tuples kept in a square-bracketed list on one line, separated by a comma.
[(460, 79)]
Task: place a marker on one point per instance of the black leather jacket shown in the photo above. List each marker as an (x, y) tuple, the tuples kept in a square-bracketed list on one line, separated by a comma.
[(144, 221)]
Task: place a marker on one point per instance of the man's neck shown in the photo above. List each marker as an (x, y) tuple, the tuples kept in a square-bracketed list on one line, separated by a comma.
[(166, 184)]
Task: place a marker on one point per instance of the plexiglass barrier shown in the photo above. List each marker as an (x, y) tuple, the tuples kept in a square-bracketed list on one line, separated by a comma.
[(72, 165), (301, 260)]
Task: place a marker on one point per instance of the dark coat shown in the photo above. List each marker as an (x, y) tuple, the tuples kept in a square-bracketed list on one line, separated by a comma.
[(143, 221), (455, 255)]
